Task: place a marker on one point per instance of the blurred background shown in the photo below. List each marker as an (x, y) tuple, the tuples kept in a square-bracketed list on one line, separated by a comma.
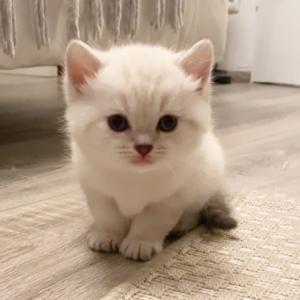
[(256, 76)]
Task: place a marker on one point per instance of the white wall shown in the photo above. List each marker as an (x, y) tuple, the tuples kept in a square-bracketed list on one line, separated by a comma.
[(241, 38), (277, 46)]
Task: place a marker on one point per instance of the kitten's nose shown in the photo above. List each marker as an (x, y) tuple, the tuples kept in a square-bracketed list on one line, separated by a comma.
[(143, 149)]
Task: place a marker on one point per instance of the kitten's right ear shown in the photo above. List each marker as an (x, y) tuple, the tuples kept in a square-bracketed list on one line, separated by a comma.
[(81, 63)]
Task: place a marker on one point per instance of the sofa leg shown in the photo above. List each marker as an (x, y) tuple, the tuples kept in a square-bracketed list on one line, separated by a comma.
[(60, 70), (221, 77)]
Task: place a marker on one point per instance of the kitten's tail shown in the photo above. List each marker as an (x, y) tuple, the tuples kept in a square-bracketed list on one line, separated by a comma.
[(217, 214)]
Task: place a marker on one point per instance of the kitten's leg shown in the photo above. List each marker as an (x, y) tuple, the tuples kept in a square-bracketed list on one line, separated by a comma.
[(217, 213), (187, 222), (148, 231), (110, 225)]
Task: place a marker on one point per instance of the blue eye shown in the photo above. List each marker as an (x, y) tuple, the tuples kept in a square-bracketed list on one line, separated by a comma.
[(118, 123), (167, 123)]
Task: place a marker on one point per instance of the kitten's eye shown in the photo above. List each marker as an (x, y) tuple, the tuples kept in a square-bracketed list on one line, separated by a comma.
[(167, 123), (117, 123)]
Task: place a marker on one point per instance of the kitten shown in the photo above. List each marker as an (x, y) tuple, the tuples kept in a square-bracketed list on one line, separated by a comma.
[(139, 120)]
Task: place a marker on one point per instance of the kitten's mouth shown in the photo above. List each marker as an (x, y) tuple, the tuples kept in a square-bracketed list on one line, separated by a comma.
[(142, 160)]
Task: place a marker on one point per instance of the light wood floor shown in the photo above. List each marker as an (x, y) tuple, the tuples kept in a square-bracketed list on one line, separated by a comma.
[(42, 253)]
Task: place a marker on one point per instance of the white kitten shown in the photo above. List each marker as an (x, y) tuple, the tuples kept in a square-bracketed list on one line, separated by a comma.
[(140, 124)]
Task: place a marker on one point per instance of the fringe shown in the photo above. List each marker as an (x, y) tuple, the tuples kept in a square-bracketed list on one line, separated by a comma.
[(40, 23), (115, 17), (129, 10), (8, 27), (159, 14), (73, 20), (177, 14), (131, 16), (96, 18)]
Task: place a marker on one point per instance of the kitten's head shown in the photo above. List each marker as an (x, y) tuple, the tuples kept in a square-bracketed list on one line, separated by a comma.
[(138, 106)]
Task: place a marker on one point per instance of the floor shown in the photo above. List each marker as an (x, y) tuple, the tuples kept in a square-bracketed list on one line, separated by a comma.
[(259, 126)]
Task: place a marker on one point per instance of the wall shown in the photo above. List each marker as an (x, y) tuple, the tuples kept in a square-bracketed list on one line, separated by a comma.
[(277, 46), (241, 38)]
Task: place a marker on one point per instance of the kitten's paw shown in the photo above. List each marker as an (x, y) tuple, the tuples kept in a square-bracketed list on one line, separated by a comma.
[(139, 249), (103, 241)]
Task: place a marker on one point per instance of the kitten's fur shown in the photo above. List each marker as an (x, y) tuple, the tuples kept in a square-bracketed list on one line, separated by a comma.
[(135, 206)]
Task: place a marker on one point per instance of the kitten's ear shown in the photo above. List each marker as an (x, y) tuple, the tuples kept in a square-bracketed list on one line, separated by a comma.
[(81, 63), (198, 61)]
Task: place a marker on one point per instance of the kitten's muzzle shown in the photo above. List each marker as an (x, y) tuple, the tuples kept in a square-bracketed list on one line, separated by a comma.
[(143, 149)]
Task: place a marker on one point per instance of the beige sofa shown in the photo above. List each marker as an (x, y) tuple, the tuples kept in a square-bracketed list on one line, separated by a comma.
[(202, 19)]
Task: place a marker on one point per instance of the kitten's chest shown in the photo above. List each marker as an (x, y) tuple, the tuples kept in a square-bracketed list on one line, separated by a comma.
[(132, 192)]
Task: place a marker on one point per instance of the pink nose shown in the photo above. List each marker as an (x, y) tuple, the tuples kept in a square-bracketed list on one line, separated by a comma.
[(143, 149)]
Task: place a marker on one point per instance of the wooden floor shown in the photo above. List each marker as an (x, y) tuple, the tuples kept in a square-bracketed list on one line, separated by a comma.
[(259, 126)]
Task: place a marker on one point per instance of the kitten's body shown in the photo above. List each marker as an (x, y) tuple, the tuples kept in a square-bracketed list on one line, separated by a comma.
[(137, 201)]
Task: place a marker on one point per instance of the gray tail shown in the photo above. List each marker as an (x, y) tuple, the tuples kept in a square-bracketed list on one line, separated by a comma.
[(217, 214)]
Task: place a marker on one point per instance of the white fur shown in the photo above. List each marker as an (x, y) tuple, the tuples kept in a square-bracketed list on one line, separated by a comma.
[(136, 206)]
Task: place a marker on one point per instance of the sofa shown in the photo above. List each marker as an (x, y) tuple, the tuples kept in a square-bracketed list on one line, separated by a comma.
[(201, 19)]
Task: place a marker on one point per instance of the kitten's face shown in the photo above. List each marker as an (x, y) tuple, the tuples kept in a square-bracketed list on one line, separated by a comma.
[(138, 109)]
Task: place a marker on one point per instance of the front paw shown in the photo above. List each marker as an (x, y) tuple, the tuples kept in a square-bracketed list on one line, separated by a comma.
[(103, 241), (139, 249)]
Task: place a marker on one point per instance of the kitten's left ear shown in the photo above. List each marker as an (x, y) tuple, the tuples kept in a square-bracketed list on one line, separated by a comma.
[(81, 63), (198, 61)]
